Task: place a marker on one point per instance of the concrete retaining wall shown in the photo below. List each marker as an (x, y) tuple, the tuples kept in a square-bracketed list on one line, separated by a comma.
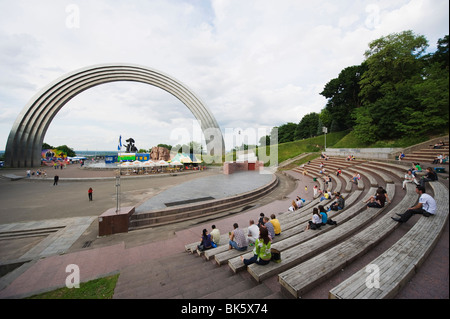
[(368, 153)]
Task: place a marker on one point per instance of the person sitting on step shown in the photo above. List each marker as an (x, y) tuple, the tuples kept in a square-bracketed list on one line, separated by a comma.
[(238, 240), (206, 241), (426, 206)]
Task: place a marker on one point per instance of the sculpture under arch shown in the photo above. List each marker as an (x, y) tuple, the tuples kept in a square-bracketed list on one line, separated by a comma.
[(23, 148)]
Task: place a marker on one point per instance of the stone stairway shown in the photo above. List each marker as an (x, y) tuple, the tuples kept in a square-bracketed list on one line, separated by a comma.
[(189, 277), (427, 154)]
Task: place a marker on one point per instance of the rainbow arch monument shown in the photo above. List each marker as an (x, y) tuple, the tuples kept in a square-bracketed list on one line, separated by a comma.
[(23, 148)]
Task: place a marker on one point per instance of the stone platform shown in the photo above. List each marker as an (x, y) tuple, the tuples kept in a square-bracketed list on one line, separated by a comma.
[(203, 198), (216, 187)]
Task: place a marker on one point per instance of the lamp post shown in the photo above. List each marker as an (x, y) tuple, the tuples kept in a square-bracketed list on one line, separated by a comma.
[(325, 130), (117, 191)]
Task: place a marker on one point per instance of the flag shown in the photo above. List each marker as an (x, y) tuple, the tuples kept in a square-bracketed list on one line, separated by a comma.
[(120, 143)]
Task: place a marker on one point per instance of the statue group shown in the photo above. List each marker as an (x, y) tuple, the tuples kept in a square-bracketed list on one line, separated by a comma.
[(130, 147), (156, 153)]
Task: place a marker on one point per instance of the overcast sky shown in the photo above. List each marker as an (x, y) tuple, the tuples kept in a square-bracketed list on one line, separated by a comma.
[(255, 63)]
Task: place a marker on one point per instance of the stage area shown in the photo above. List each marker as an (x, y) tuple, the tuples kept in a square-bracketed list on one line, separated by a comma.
[(207, 188)]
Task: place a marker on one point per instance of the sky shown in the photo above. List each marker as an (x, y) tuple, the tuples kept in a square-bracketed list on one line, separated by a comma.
[(255, 64)]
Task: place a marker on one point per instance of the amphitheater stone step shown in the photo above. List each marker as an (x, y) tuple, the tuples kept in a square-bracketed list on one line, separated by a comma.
[(188, 277)]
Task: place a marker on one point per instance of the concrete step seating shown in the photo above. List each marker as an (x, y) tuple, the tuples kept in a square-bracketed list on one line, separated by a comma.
[(299, 279), (293, 256), (289, 220), (336, 183), (301, 237), (332, 247), (286, 218), (398, 264), (222, 255), (175, 277), (331, 167), (427, 155), (288, 238)]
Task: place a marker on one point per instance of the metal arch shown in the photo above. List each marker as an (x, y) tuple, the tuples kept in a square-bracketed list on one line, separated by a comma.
[(25, 140)]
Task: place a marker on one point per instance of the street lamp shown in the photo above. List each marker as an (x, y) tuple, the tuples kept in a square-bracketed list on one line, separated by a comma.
[(117, 191), (325, 130)]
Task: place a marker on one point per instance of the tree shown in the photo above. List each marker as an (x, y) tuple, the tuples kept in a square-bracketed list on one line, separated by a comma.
[(394, 66), (308, 126), (46, 146), (319, 127), (343, 97), (432, 93), (325, 117), (441, 56), (287, 132), (365, 130), (390, 60), (64, 148), (67, 150)]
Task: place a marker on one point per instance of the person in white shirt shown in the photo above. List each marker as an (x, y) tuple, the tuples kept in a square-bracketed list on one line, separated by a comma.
[(215, 235), (409, 178), (253, 232), (426, 207), (316, 220), (299, 201), (316, 191)]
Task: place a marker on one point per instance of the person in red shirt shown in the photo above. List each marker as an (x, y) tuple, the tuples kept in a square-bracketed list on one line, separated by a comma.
[(90, 191)]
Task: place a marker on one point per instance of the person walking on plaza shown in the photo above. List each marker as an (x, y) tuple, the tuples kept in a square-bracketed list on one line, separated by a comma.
[(55, 180), (90, 191), (426, 206)]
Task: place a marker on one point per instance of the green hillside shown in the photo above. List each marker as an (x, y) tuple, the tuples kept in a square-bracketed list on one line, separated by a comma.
[(345, 139)]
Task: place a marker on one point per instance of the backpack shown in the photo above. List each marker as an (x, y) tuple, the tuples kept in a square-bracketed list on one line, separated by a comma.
[(276, 255), (331, 222)]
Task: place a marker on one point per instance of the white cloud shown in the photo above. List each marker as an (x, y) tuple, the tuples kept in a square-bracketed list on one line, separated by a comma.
[(255, 63)]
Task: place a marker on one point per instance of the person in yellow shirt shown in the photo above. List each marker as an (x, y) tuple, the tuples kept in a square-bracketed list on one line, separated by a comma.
[(276, 224)]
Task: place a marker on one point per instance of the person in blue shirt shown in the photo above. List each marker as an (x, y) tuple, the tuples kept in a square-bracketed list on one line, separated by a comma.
[(325, 219), (206, 241), (323, 213)]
